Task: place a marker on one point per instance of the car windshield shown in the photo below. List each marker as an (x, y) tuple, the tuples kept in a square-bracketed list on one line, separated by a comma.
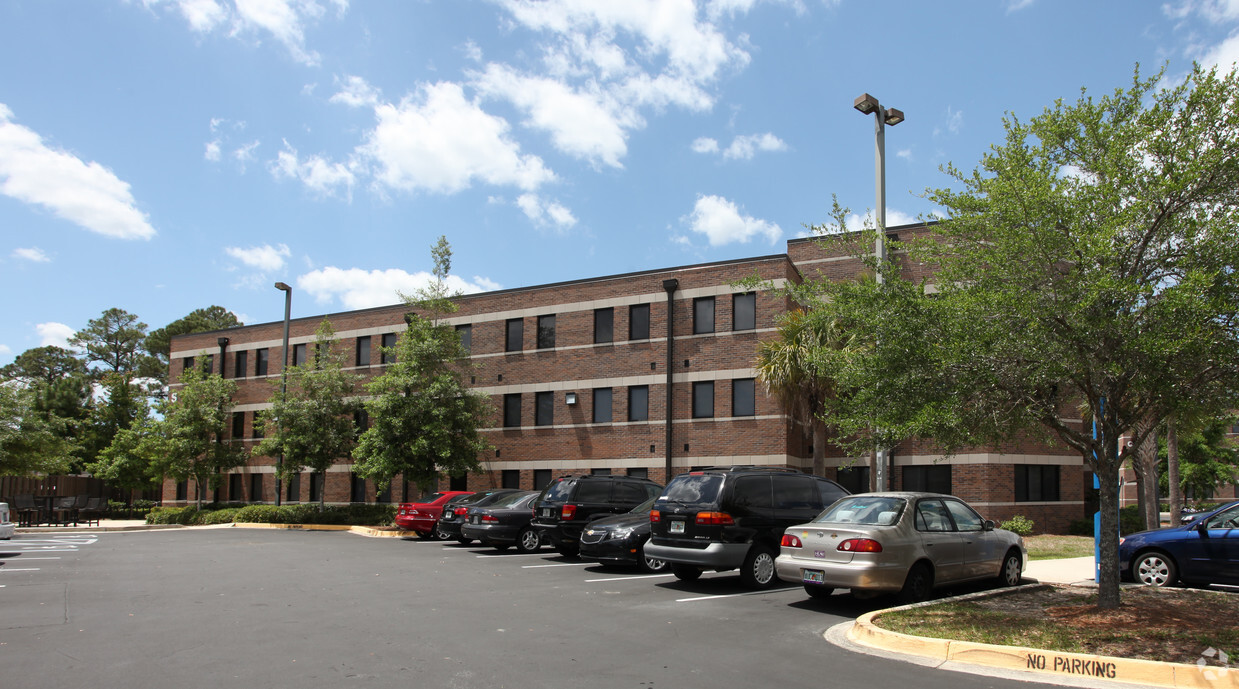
[(504, 500), (483, 498), (693, 489), (430, 497), (868, 510), (559, 490), (643, 507)]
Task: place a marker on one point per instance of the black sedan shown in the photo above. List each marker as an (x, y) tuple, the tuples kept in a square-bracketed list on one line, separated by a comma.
[(1204, 551), (621, 539), (453, 517), (503, 522)]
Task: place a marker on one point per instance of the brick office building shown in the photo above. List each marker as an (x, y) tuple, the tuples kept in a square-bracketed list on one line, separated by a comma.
[(582, 376)]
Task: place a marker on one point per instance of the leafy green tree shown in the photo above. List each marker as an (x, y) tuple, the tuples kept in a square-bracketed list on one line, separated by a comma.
[(158, 344), (424, 420), (1086, 265), (1207, 457), (30, 442), (312, 424), (43, 366), (130, 461), (196, 421), (113, 341)]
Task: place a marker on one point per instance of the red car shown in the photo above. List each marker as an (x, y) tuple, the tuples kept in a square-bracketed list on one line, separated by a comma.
[(421, 517)]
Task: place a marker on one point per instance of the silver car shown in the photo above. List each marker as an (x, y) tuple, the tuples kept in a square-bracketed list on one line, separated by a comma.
[(905, 543)]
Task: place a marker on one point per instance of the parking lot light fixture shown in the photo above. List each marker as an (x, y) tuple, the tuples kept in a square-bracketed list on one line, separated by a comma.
[(288, 308)]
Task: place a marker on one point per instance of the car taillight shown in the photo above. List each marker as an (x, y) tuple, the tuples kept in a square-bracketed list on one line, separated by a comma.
[(413, 513), (655, 516), (714, 519), (790, 541), (461, 511), (568, 512), (860, 545), (490, 519)]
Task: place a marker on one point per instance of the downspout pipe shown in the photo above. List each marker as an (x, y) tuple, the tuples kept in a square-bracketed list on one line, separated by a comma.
[(670, 285)]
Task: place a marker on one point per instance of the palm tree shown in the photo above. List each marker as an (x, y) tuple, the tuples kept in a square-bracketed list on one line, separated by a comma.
[(786, 368)]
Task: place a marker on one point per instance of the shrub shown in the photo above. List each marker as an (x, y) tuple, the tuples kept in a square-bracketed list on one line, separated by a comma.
[(226, 515), (1019, 524), (1130, 520), (304, 513), (1080, 527)]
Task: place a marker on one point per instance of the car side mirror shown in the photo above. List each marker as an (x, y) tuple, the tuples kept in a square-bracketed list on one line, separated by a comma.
[(989, 525)]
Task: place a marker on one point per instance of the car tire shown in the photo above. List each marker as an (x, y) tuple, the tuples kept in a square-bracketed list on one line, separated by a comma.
[(528, 541), (1154, 569), (685, 572), (650, 565), (427, 536), (817, 592), (440, 534), (757, 572), (501, 546), (918, 585), (1011, 572)]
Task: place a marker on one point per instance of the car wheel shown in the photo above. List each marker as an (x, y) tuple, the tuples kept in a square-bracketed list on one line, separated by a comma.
[(528, 541), (426, 536), (1011, 572), (650, 565), (818, 592), (918, 585), (758, 569), (1154, 569), (464, 541), (685, 572), (441, 534)]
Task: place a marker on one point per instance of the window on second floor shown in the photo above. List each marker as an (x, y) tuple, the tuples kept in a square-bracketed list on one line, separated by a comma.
[(389, 349), (743, 397), (639, 322), (512, 410), (544, 411), (703, 399), (256, 429), (703, 315), (514, 335), (189, 363), (604, 325), (639, 403), (465, 332), (208, 363), (241, 362), (261, 358), (299, 354), (744, 311), (546, 332), (238, 424), (363, 351), (602, 405)]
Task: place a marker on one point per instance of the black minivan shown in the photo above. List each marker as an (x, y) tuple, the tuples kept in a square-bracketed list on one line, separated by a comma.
[(569, 503), (733, 517)]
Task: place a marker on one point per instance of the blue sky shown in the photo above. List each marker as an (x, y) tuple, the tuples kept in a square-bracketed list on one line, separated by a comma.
[(166, 155)]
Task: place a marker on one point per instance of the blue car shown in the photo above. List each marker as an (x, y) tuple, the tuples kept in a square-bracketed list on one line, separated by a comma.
[(1204, 551)]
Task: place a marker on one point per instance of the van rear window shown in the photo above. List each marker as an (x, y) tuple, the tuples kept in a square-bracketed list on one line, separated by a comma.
[(559, 490), (693, 489)]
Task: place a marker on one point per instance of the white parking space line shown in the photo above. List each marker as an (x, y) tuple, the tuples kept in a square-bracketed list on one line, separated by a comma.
[(559, 564), (733, 595), (27, 569), (632, 578), (495, 555), (27, 559)]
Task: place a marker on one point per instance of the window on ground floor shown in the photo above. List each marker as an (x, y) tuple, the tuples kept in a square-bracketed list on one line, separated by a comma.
[(294, 488), (931, 479), (511, 478), (1036, 483), (316, 487), (255, 487), (357, 488)]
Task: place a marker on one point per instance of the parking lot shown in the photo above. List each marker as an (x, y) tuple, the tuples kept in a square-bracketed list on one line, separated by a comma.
[(268, 608)]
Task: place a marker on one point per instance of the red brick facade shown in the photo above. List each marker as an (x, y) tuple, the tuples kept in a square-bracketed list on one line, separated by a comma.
[(573, 441)]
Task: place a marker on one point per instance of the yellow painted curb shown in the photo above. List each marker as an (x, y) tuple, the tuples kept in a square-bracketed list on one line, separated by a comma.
[(1078, 665)]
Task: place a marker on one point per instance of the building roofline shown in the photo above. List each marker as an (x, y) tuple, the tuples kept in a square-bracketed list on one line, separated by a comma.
[(511, 290), (890, 228)]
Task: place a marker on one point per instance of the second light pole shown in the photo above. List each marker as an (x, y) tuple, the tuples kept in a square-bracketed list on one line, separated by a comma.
[(288, 309), (867, 104)]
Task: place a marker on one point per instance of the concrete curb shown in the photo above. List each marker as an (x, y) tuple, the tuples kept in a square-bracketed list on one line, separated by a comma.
[(67, 530), (1076, 666), (361, 530)]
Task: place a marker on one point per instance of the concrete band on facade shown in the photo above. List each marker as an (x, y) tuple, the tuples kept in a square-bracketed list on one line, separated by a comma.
[(529, 454)]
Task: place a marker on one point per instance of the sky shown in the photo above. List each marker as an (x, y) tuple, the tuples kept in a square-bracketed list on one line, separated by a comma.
[(161, 156)]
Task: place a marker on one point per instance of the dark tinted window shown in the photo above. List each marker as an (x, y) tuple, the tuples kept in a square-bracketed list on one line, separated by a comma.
[(604, 325), (389, 343), (514, 340), (629, 492), (541, 477), (694, 489), (752, 492), (602, 405), (363, 351), (639, 322), (466, 336), (1036, 483), (511, 478), (261, 357), (544, 414), (208, 363), (639, 403), (294, 488), (240, 365), (744, 311), (238, 424), (512, 410), (796, 493), (593, 491), (703, 399), (298, 354), (546, 332), (854, 478), (927, 479), (559, 490), (703, 315), (831, 492), (638, 472), (743, 399)]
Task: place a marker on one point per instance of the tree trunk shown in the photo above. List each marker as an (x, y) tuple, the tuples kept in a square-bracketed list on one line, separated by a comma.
[(1145, 463), (1108, 578), (1172, 472), (819, 448), (873, 472)]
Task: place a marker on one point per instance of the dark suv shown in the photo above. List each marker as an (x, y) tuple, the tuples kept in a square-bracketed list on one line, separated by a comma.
[(563, 509), (733, 517)]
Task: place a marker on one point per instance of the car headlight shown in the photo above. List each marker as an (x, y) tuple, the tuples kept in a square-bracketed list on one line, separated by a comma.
[(619, 534)]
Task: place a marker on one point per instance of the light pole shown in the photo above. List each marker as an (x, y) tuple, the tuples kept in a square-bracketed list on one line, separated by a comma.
[(867, 104), (288, 309)]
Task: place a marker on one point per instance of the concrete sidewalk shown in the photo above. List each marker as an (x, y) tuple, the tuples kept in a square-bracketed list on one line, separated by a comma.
[(1074, 570), (103, 525)]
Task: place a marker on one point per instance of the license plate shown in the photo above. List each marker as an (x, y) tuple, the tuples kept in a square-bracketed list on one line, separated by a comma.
[(548, 512), (675, 527), (474, 520), (813, 576)]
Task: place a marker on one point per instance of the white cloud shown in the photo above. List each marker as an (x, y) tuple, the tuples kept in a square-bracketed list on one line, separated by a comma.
[(439, 141), (266, 257), (1017, 5), (356, 92), (316, 172), (954, 120), (1224, 55), (4, 350), (212, 151), (905, 153), (33, 254), (722, 222), (705, 144), (745, 147), (856, 222), (356, 288), (86, 194), (545, 213), (54, 334), (203, 15), (284, 20), (581, 124)]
